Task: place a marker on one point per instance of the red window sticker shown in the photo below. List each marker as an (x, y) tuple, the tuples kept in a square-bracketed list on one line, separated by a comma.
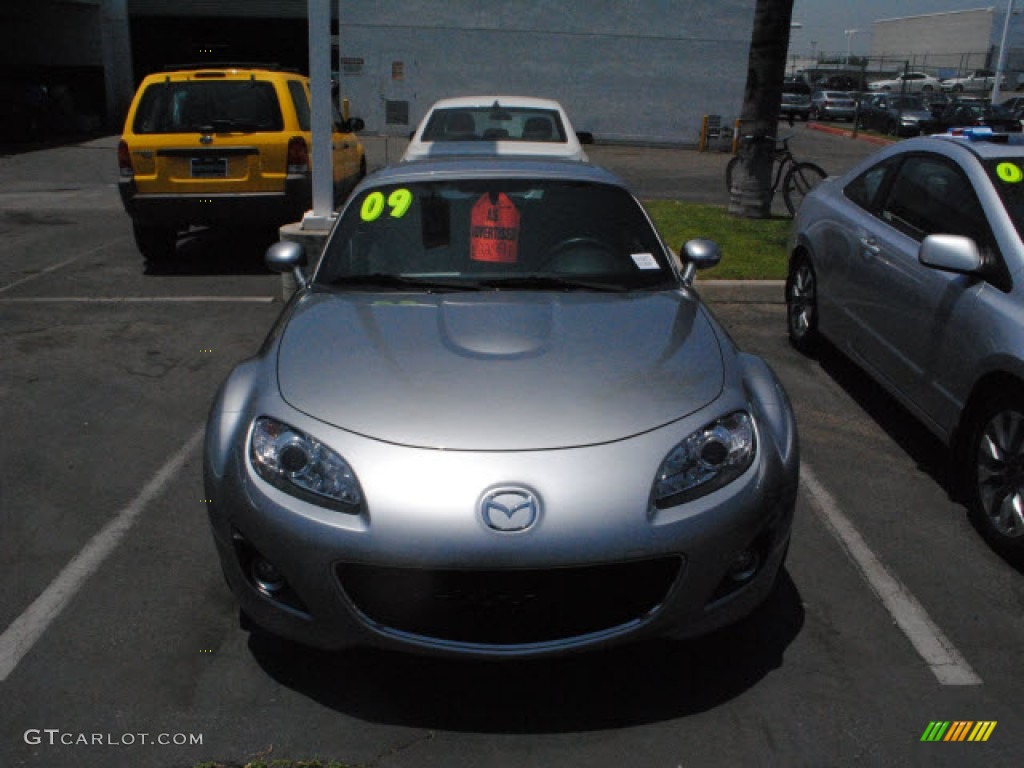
[(494, 229)]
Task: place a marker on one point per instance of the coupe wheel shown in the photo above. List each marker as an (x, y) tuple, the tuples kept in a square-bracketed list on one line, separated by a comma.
[(802, 305), (995, 456)]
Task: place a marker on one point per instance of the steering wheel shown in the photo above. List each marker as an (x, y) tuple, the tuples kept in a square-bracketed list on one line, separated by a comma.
[(580, 255)]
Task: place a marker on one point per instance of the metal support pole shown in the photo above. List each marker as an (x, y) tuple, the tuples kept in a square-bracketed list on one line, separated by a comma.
[(322, 215), (1002, 53)]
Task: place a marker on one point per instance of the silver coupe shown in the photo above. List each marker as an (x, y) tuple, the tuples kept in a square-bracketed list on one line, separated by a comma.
[(496, 420)]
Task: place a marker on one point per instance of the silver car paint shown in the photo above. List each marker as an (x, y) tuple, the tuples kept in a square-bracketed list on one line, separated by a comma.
[(648, 369), (925, 334), (521, 371)]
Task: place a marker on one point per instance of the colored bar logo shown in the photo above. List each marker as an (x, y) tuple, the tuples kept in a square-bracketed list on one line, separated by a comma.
[(958, 730)]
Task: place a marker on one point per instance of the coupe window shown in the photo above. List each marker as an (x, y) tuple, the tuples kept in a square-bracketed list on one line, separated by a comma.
[(930, 196), (864, 188), (494, 234), (1007, 176)]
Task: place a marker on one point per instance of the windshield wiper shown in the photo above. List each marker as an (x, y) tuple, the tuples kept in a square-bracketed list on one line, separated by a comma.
[(551, 283), (401, 283)]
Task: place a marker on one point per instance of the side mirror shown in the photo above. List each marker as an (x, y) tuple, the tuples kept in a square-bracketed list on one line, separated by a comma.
[(585, 137), (699, 254), (287, 256), (951, 253)]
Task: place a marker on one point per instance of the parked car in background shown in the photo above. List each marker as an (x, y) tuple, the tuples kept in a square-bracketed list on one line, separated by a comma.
[(228, 145), (912, 264), (966, 111), (796, 99), (935, 102), (910, 82), (832, 105), (979, 81), (1013, 104), (895, 115), (496, 421), (496, 125), (840, 83)]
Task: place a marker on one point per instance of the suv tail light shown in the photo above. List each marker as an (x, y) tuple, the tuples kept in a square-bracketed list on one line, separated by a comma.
[(124, 160), (298, 155)]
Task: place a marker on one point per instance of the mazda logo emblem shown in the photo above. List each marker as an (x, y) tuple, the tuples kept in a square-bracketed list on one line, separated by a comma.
[(509, 509)]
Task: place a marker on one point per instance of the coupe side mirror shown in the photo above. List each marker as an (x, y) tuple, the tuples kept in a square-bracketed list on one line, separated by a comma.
[(698, 254), (288, 256), (951, 253)]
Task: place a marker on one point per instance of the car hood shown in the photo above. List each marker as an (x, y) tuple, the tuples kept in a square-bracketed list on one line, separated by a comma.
[(510, 371)]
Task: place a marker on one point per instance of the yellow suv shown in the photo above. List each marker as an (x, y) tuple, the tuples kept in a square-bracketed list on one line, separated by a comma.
[(224, 145)]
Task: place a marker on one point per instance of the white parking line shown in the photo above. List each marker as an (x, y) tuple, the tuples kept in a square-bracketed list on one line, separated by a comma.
[(48, 270), (18, 639), (138, 299), (945, 661)]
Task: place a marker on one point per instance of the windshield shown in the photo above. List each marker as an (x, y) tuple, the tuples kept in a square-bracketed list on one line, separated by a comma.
[(494, 123), (494, 234), (1008, 178)]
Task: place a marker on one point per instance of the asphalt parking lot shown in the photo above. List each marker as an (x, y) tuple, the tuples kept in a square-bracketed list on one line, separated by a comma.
[(119, 643)]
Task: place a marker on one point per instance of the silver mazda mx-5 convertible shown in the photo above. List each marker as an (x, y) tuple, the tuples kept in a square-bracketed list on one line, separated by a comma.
[(496, 420)]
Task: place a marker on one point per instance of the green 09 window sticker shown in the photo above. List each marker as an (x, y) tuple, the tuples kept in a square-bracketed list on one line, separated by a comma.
[(398, 203), (1010, 173)]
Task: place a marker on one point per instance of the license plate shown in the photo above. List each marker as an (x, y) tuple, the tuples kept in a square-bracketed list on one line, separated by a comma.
[(209, 167)]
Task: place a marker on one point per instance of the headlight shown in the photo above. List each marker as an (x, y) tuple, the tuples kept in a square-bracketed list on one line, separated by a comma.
[(303, 466), (706, 460)]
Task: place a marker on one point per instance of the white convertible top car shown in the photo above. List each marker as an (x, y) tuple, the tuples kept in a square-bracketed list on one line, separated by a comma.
[(496, 125)]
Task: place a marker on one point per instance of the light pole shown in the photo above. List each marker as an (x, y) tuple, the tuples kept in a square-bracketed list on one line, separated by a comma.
[(1002, 53), (849, 41)]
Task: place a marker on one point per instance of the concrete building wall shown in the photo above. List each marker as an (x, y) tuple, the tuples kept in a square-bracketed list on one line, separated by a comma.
[(949, 43), (636, 71)]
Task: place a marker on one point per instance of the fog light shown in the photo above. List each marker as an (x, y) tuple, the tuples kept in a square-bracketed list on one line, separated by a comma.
[(267, 578), (744, 566)]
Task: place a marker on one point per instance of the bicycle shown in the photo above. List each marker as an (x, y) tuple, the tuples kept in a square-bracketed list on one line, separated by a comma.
[(797, 177)]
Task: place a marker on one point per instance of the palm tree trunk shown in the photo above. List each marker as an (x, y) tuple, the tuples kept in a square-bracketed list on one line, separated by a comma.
[(751, 195)]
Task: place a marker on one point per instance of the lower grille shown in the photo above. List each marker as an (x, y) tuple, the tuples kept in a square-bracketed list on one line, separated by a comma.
[(512, 606)]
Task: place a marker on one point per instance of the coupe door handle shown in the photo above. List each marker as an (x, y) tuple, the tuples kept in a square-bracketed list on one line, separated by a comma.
[(871, 245)]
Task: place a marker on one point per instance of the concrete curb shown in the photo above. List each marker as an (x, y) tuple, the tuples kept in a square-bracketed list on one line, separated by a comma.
[(742, 291)]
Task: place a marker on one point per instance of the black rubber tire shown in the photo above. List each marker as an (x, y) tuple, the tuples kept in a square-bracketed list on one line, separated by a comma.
[(993, 470), (802, 305), (799, 181), (157, 243)]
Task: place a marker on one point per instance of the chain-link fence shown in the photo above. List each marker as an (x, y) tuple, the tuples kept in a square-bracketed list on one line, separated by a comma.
[(855, 72)]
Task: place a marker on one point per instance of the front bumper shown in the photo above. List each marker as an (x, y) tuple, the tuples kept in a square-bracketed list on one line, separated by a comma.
[(418, 570)]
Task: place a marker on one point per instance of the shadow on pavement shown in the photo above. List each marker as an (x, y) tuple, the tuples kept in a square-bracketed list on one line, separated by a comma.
[(642, 683), (218, 251), (929, 454)]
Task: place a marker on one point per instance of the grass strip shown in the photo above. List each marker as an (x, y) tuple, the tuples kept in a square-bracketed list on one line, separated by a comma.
[(752, 249)]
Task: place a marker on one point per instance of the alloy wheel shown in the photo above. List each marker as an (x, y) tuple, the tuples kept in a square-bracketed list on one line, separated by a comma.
[(999, 473)]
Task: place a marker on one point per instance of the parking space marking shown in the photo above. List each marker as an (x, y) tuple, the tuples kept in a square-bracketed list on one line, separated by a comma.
[(138, 299), (945, 661), (19, 638), (48, 270)]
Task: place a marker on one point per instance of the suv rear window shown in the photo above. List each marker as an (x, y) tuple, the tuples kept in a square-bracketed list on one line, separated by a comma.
[(223, 105)]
